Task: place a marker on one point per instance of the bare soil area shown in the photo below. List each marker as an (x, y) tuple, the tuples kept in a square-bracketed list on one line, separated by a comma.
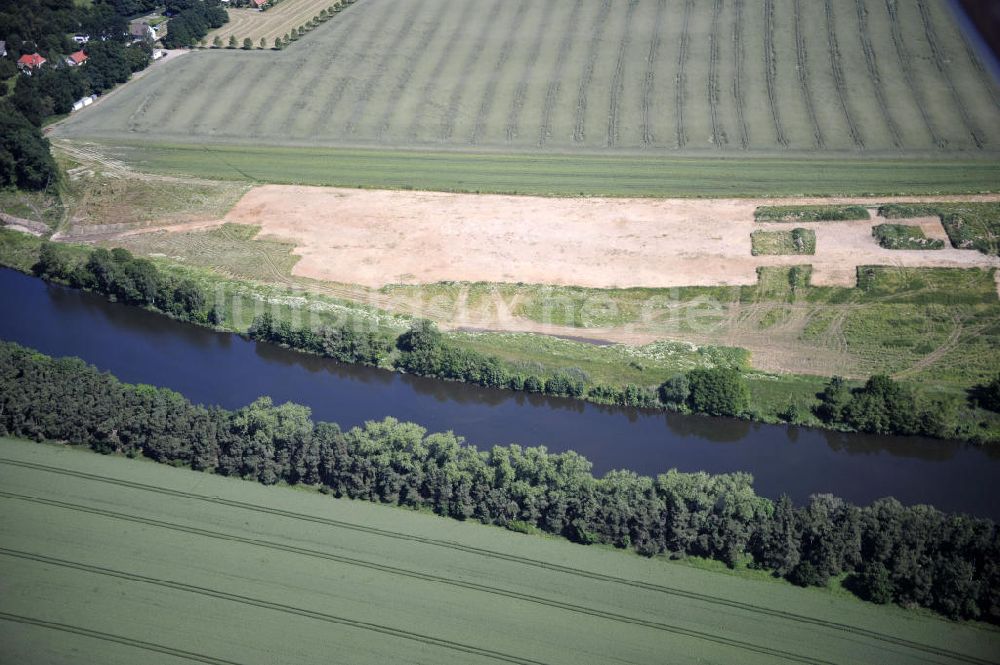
[(375, 238)]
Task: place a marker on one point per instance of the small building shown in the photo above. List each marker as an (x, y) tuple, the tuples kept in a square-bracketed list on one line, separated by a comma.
[(81, 39), (76, 59), (140, 30), (30, 62), (258, 4), (84, 101)]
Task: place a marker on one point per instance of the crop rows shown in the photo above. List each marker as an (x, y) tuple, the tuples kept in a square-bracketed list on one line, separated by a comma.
[(525, 76), (517, 104), (873, 72), (618, 78), (718, 134), (738, 97), (771, 71), (681, 83), (491, 85), (555, 80), (802, 73), (600, 22), (902, 53), (838, 75), (939, 62)]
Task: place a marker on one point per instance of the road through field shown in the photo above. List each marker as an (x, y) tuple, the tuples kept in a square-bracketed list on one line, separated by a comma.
[(165, 562)]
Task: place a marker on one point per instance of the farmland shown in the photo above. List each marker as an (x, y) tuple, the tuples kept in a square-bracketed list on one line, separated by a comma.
[(741, 80), (277, 21), (112, 560)]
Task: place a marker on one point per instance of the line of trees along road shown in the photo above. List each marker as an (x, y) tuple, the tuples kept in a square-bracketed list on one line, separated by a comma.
[(892, 553)]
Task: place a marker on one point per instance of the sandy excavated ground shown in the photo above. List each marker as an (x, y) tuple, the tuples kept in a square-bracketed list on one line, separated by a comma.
[(376, 238)]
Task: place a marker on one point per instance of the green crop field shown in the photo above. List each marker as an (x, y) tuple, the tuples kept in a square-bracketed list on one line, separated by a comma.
[(112, 560), (639, 81)]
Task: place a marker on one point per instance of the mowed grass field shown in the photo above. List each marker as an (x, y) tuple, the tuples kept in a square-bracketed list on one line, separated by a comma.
[(651, 79), (116, 561), (275, 22)]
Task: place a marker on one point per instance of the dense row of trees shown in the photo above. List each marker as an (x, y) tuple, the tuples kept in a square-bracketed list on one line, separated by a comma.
[(123, 277), (191, 20), (911, 555), (882, 406), (345, 344)]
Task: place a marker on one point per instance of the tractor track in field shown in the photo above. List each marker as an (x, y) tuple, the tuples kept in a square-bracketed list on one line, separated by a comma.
[(984, 76), (718, 133), (385, 122), (838, 75), (618, 77), (871, 63), (366, 47), (215, 80), (434, 579), (681, 81), (946, 347), (649, 78), (513, 558), (117, 639), (521, 91), (427, 93), (940, 61), (267, 605), (738, 97), (580, 119), (371, 83), (276, 91), (555, 80), (802, 73), (455, 100), (771, 73), (903, 56), (490, 93)]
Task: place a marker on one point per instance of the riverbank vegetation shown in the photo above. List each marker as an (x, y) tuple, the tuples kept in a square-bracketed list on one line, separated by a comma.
[(617, 374), (881, 547)]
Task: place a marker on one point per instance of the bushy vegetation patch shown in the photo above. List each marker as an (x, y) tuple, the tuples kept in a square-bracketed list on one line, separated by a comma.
[(810, 213), (796, 241), (904, 236), (968, 225)]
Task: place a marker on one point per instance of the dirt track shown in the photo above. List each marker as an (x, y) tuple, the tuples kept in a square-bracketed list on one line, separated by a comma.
[(376, 238)]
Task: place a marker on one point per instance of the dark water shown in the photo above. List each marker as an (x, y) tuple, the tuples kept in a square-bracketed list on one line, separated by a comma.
[(227, 370)]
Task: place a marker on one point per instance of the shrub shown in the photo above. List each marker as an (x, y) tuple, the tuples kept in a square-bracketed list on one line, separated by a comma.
[(718, 392), (904, 236), (675, 390)]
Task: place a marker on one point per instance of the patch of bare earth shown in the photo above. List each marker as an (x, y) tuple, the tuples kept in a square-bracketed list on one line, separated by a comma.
[(375, 238)]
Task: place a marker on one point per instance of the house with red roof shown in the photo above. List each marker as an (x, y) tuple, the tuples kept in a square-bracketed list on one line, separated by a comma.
[(76, 59), (30, 61), (258, 4)]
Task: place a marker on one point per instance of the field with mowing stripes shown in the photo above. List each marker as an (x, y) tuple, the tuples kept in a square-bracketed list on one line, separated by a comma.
[(646, 78), (275, 22), (116, 561)]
